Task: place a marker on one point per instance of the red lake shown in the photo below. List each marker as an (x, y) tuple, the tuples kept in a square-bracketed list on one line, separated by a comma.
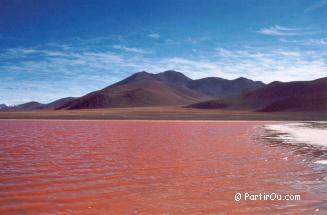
[(150, 167)]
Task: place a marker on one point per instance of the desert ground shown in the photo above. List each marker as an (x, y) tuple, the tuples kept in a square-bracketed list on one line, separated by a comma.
[(163, 113)]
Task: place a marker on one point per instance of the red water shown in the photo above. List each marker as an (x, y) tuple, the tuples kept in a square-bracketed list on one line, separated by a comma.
[(144, 167)]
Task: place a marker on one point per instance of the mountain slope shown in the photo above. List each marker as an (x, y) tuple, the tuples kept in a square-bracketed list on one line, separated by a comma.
[(315, 104), (277, 90), (58, 103), (291, 96), (219, 87), (278, 96)]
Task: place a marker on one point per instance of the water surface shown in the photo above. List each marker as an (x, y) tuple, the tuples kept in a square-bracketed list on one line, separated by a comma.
[(149, 167)]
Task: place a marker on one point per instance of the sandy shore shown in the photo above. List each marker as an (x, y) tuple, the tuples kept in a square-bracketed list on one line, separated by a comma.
[(156, 113)]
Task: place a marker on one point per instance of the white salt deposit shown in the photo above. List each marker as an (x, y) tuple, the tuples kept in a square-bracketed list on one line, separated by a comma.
[(324, 162), (301, 132)]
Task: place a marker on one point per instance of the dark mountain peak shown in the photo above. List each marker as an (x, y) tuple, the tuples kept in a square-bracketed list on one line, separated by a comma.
[(246, 80), (173, 77), (219, 87), (275, 83), (241, 78), (33, 103), (2, 106), (142, 74), (210, 79), (136, 77), (171, 73), (58, 103)]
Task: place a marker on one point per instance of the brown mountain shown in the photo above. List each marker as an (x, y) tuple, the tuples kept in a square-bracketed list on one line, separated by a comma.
[(277, 96), (172, 88), (140, 89), (163, 89)]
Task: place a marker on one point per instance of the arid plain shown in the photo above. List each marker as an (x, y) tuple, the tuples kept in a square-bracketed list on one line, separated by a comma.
[(164, 113)]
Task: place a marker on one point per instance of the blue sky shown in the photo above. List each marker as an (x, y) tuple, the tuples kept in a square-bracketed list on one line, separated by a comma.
[(54, 49)]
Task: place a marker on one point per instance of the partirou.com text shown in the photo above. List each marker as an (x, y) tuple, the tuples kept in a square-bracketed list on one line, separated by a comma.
[(266, 197)]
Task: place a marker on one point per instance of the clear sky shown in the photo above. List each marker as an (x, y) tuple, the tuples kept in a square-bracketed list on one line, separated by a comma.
[(53, 49)]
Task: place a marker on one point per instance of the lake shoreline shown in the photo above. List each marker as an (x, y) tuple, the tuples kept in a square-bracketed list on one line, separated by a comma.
[(165, 113)]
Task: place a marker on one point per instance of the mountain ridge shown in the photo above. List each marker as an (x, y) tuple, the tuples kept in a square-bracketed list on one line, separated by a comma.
[(171, 88), (161, 89)]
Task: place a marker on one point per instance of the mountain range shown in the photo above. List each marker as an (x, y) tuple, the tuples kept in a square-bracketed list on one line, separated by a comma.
[(171, 88)]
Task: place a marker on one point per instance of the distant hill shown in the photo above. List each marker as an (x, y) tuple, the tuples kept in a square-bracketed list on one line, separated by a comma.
[(24, 107), (29, 106), (58, 103), (219, 87), (3, 106), (278, 96)]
